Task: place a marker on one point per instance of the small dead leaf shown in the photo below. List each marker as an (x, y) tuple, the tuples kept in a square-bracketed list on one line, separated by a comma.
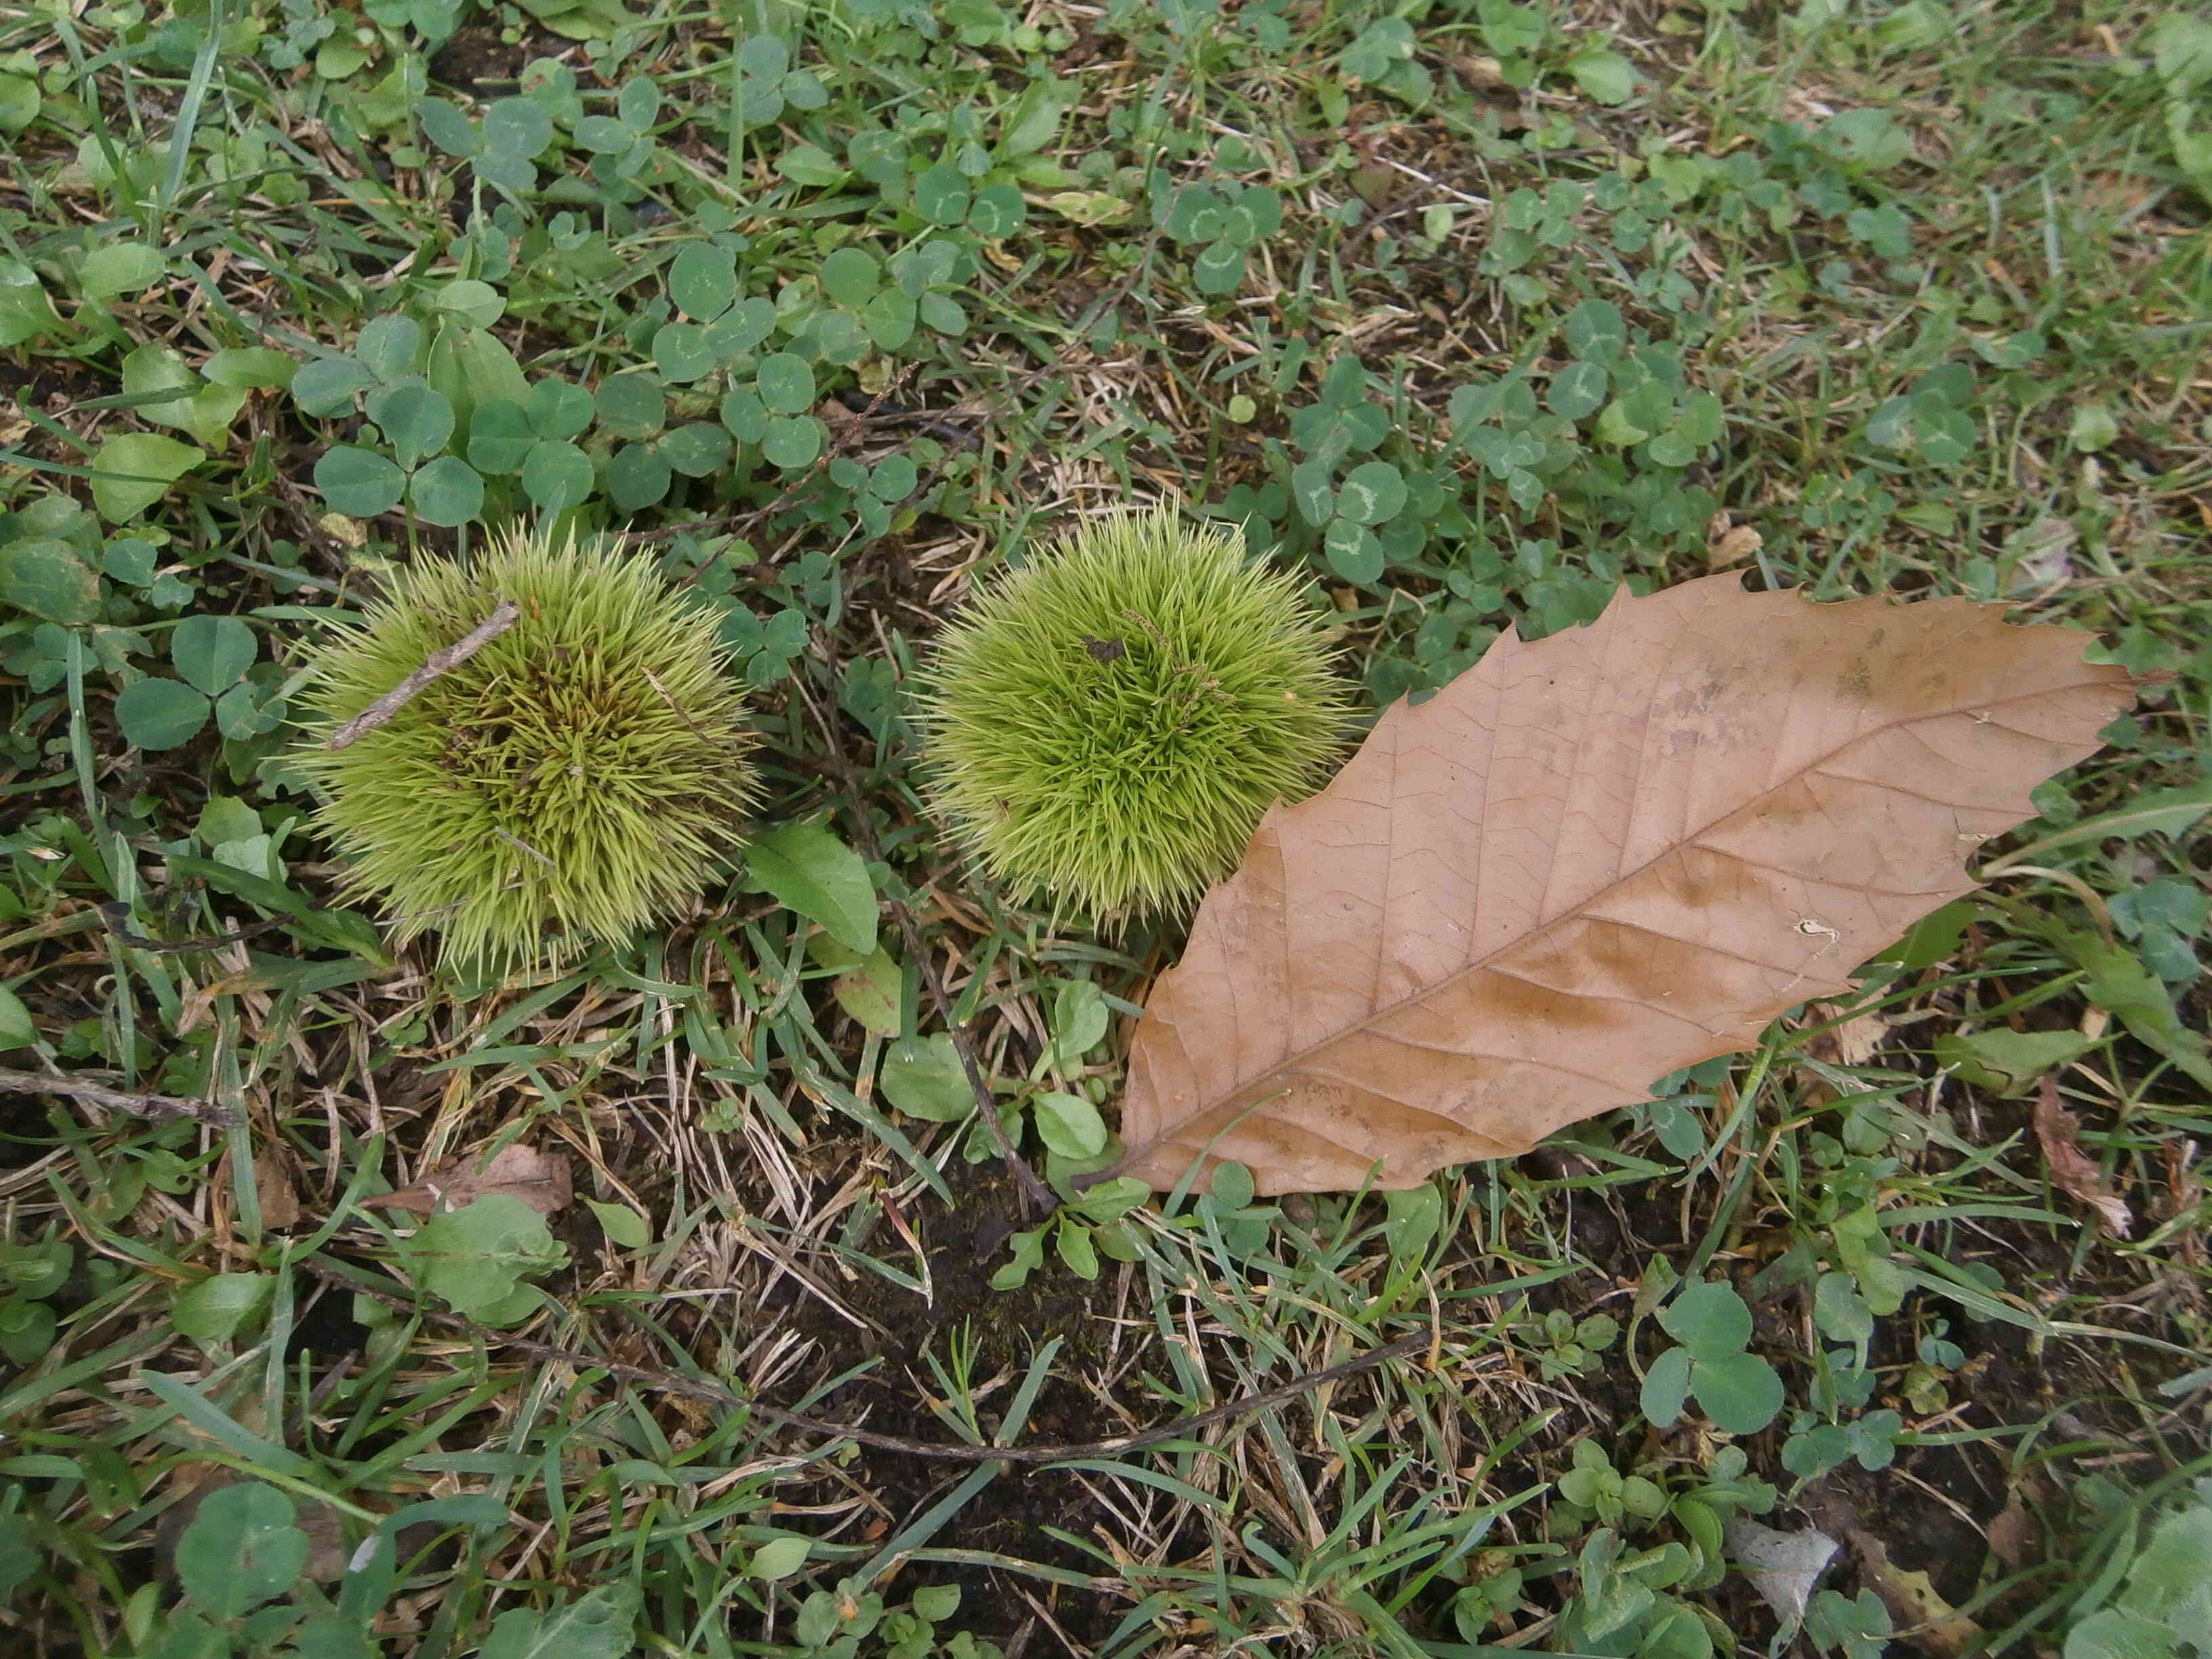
[(1853, 1041), (1932, 1623), (1590, 861), (1783, 1567), (280, 1204), (1480, 72), (538, 1179), (2014, 1536), (2072, 1168), (1733, 546)]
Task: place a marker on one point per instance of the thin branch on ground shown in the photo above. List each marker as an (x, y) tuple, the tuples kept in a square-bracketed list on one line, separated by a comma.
[(504, 615), (85, 1086)]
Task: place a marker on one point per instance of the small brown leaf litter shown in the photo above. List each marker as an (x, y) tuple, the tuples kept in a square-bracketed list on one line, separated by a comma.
[(538, 1179), (1922, 1615), (1587, 862), (2073, 1169)]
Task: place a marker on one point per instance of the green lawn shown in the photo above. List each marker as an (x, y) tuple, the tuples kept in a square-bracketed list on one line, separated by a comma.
[(1471, 312)]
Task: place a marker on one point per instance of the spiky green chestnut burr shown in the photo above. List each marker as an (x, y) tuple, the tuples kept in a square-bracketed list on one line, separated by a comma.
[(1109, 723), (571, 780)]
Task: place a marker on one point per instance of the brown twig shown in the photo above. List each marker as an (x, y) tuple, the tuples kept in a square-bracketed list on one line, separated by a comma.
[(81, 1087), (918, 953), (691, 1387), (116, 915), (503, 617)]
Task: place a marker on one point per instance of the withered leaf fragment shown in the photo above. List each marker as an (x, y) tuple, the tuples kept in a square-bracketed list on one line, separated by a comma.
[(538, 1179), (1589, 861), (2074, 1170)]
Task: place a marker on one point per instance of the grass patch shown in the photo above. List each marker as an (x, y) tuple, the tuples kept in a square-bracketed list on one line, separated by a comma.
[(1463, 314)]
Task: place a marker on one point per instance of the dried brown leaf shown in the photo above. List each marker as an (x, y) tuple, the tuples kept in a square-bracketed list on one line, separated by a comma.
[(538, 1179), (1854, 1039), (2073, 1169), (2014, 1538), (1914, 1602), (1728, 543), (272, 1190), (1589, 861)]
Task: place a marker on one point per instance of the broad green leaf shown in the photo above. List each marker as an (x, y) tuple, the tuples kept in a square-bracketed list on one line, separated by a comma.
[(1230, 1186), (2008, 1061), (924, 1078), (638, 475), (780, 1557), (1740, 1392), (250, 368), (132, 471), (599, 1625), (499, 437), (1577, 391), (25, 313), (631, 404), (696, 449), (212, 652), (1030, 124), (190, 403), (557, 476), (791, 441), (158, 713), (390, 348), (683, 352), (2118, 984), (940, 195), (998, 212), (1596, 333), (623, 1225), (867, 987), (810, 870), (1411, 1219), (1353, 551), (1708, 1319), (212, 1309), (517, 129), (703, 281), (444, 126), (447, 492), (1080, 1019), (1311, 488), (328, 385), (359, 482), (2092, 429), (1371, 493), (1605, 75), (1071, 1243), (1218, 269), (416, 421), (46, 577), (17, 1029), (118, 268), (851, 275), (2158, 811), (786, 384), (1068, 1124), (241, 1550), (475, 1257)]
